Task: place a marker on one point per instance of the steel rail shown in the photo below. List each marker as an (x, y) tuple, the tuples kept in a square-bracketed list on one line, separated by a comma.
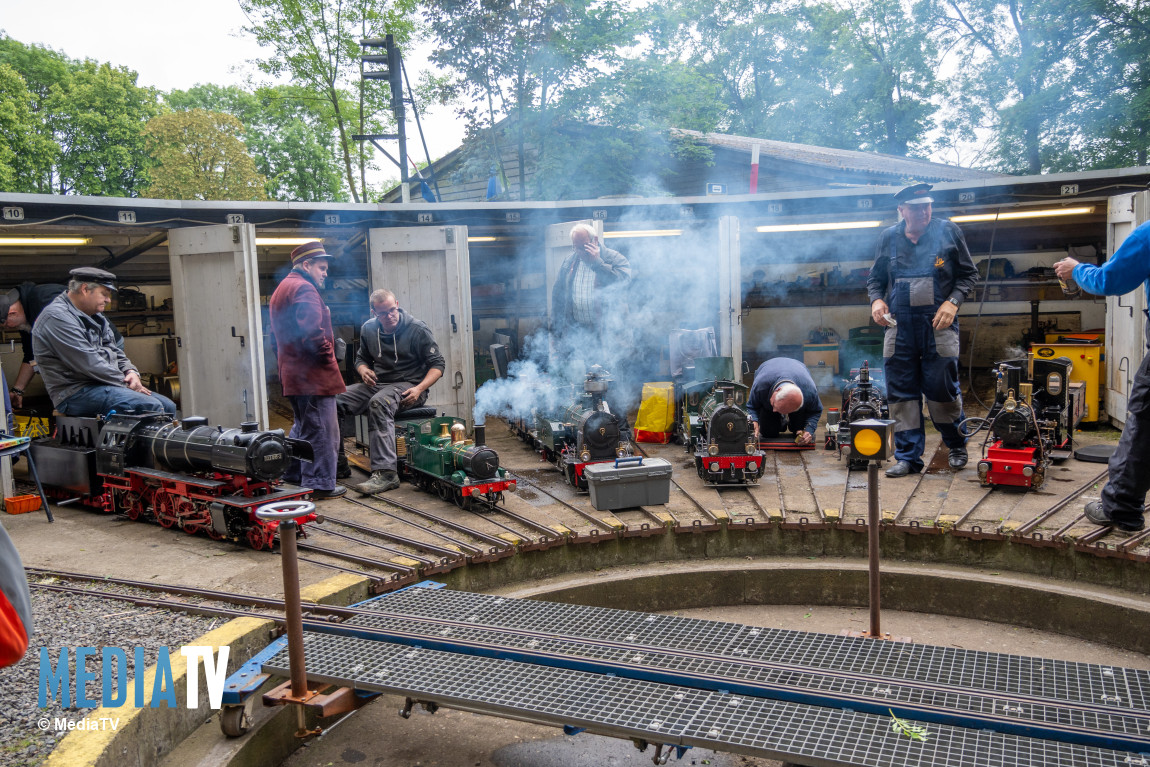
[(703, 509), (588, 516), (382, 547), (449, 524), (1052, 510), (418, 545), (465, 547)]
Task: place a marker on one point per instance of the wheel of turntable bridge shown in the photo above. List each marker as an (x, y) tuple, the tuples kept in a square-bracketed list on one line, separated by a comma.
[(284, 511)]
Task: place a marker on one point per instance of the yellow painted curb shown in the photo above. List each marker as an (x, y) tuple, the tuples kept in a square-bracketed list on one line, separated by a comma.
[(143, 736)]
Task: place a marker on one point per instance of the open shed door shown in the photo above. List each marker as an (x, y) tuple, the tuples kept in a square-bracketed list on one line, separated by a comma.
[(557, 245), (428, 270), (219, 327), (731, 293), (1125, 317)]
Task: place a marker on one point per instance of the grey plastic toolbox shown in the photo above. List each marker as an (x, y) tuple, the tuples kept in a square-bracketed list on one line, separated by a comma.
[(629, 482)]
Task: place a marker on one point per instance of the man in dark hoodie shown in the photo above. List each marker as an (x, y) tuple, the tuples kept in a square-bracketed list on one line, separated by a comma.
[(398, 361), (305, 356)]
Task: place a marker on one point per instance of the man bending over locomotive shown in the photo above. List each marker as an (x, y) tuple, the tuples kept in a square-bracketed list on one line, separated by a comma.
[(85, 371), (398, 361), (784, 396)]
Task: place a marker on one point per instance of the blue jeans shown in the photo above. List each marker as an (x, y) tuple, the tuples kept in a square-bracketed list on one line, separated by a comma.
[(315, 422), (105, 399)]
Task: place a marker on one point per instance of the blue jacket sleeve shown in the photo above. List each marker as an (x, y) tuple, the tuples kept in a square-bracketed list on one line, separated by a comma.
[(1124, 271), (813, 416)]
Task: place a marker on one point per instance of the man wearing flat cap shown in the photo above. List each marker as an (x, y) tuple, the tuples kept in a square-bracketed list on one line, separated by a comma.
[(921, 275), (77, 350), (20, 307), (304, 343)]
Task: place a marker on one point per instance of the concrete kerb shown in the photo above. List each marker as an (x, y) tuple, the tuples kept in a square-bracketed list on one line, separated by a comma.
[(145, 735)]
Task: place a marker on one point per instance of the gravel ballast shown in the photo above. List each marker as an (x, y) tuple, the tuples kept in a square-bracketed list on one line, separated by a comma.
[(66, 620)]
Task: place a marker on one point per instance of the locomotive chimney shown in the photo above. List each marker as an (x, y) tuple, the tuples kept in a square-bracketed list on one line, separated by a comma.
[(480, 434)]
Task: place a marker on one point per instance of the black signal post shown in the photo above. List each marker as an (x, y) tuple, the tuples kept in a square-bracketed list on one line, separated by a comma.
[(872, 440), (392, 72)]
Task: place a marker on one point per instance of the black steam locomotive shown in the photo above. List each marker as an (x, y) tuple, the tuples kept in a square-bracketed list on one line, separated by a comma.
[(583, 432), (863, 397), (1031, 424), (183, 474), (435, 455), (715, 425)]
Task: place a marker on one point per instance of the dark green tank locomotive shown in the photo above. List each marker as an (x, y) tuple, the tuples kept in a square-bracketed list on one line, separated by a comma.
[(435, 455)]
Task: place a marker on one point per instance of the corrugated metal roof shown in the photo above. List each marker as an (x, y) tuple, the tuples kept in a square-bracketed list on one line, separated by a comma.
[(891, 166)]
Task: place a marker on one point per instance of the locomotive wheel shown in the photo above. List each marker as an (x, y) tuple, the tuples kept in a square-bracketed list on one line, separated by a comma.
[(260, 537), (462, 501), (165, 508), (444, 490)]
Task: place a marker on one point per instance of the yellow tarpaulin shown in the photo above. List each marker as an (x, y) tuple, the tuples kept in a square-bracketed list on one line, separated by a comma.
[(656, 420)]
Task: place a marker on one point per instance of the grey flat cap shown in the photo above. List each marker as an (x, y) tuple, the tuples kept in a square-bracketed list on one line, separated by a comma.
[(92, 274)]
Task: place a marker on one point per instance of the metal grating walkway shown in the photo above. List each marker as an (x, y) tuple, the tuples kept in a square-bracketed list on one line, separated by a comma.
[(765, 692)]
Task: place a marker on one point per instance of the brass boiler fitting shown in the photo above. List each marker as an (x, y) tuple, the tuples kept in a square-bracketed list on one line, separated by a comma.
[(1024, 392), (1010, 405), (458, 433)]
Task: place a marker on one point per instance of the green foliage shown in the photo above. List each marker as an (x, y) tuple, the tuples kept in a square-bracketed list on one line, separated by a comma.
[(317, 44), (1020, 66), (201, 156), (293, 144), (23, 151), (547, 50), (93, 113)]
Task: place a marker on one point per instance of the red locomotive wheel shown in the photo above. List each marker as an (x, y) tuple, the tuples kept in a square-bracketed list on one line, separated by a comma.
[(260, 537), (165, 508)]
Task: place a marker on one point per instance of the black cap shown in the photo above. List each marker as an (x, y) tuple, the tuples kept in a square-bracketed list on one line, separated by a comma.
[(915, 194), (6, 301), (92, 274)]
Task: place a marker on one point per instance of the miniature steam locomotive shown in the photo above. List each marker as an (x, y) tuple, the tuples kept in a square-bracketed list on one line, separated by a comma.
[(585, 431), (183, 474), (863, 397), (1036, 410), (434, 455), (715, 425)]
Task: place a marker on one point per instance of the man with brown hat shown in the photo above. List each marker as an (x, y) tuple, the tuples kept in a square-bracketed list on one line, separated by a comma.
[(304, 344), (85, 371)]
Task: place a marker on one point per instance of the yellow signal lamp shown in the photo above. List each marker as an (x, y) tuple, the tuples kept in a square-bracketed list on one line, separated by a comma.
[(872, 439)]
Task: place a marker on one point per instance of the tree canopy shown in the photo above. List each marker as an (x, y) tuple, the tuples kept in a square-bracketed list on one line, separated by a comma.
[(201, 155)]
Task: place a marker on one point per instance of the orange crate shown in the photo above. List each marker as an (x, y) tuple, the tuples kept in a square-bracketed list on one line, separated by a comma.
[(21, 504)]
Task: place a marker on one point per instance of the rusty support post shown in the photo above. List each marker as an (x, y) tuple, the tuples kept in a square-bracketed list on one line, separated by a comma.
[(872, 545), (293, 610)]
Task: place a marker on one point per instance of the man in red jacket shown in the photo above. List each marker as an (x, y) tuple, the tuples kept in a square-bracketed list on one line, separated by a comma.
[(305, 354)]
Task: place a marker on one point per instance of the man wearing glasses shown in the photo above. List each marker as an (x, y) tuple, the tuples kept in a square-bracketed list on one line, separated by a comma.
[(398, 361)]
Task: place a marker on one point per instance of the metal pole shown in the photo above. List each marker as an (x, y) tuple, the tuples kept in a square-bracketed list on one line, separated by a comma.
[(872, 547), (292, 608)]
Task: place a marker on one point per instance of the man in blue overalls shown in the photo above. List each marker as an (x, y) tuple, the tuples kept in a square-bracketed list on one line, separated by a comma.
[(924, 269)]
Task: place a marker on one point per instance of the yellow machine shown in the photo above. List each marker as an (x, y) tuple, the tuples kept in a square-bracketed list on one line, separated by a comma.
[(1088, 362)]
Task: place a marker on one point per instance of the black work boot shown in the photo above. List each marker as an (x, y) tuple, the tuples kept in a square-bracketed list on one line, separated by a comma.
[(957, 457), (342, 467)]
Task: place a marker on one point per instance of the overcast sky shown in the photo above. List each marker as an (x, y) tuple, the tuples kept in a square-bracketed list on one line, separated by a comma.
[(172, 44)]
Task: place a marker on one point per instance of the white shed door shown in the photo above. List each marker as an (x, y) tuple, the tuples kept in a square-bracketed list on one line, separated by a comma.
[(216, 305), (1125, 320), (428, 270), (731, 293)]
